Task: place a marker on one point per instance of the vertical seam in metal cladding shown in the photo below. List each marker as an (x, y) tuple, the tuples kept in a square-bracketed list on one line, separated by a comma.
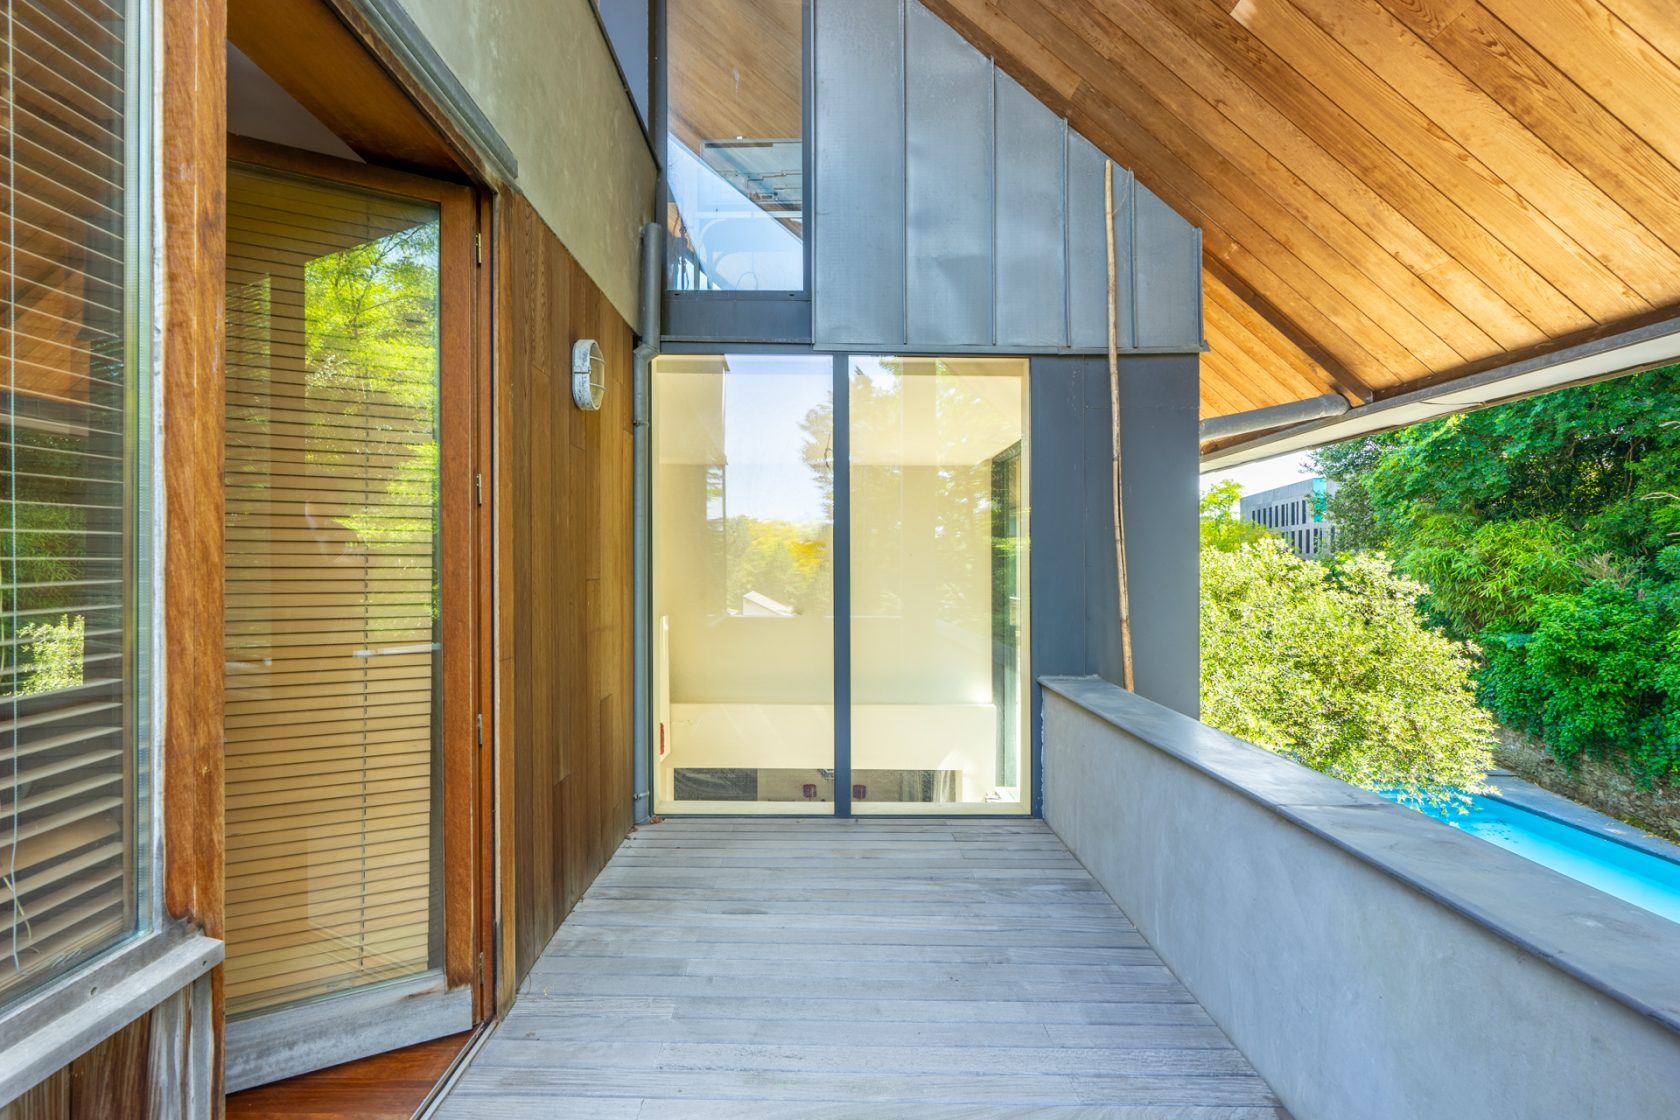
[(1201, 296), (904, 141), (808, 147), (991, 92), (1067, 238), (1132, 253), (1067, 249)]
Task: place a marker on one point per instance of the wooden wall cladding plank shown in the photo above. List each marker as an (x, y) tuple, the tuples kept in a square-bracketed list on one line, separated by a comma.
[(565, 581), (1406, 191), (112, 1080)]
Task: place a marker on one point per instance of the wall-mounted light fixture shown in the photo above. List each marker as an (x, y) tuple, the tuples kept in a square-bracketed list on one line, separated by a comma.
[(589, 375)]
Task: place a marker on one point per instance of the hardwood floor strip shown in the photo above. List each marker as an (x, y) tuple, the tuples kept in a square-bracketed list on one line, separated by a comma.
[(837, 969)]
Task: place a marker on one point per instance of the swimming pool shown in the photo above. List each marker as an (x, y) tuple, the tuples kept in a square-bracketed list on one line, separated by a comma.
[(1642, 878)]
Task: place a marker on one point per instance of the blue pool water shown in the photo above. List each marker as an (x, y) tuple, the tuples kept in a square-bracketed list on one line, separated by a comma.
[(1640, 877)]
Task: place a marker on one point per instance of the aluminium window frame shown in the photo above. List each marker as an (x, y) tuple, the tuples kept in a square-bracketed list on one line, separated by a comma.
[(775, 318), (1033, 755)]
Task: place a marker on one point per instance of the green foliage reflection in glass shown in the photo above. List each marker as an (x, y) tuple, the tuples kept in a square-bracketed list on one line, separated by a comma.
[(45, 564), (1545, 529), (372, 351)]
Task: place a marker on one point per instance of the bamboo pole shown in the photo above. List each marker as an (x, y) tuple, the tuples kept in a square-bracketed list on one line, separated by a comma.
[(1118, 506)]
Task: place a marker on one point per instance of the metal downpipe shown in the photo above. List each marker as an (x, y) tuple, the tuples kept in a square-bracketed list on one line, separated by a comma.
[(641, 381)]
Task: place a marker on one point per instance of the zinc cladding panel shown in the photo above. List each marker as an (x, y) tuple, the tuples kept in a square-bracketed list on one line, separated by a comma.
[(1087, 247), (1031, 270), (953, 211), (1167, 269), (948, 184), (858, 240)]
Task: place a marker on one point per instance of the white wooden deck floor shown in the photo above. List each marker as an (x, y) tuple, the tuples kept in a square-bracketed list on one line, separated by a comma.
[(817, 970)]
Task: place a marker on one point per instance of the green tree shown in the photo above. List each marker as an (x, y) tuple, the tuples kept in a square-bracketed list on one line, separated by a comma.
[(1222, 526), (1334, 667), (1545, 531)]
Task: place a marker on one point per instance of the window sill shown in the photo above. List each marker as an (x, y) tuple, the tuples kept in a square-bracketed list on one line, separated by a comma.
[(58, 1024)]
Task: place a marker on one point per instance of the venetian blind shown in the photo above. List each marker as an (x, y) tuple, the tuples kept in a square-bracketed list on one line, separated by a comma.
[(67, 524), (332, 590)]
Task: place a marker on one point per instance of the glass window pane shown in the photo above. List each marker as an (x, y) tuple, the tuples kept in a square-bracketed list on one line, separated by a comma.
[(332, 605), (73, 537), (735, 150), (939, 581), (743, 583)]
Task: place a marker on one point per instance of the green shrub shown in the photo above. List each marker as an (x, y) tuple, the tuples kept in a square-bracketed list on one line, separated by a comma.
[(1335, 668), (1596, 676), (1546, 530)]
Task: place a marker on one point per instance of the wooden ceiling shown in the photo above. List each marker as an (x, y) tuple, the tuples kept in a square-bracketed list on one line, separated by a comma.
[(1393, 193), (735, 69)]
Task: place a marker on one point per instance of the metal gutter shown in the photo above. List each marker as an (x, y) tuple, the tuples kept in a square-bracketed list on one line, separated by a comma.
[(1275, 416), (1616, 355)]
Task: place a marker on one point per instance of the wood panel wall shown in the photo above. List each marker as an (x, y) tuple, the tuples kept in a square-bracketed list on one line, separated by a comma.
[(565, 581)]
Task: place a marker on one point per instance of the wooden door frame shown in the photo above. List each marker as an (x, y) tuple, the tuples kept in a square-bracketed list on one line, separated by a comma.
[(463, 393)]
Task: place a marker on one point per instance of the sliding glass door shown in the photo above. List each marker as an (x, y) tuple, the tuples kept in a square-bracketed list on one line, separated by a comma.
[(906, 506)]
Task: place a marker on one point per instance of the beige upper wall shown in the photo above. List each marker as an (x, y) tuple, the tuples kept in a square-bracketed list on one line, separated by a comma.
[(543, 74)]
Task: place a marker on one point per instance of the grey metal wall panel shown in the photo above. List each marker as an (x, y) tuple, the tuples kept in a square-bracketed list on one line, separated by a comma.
[(1087, 252), (948, 186), (952, 212), (1125, 257), (1031, 270), (1167, 265), (858, 235), (1075, 601)]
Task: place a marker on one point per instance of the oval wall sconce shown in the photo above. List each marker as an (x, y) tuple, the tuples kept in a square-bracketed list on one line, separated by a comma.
[(589, 375)]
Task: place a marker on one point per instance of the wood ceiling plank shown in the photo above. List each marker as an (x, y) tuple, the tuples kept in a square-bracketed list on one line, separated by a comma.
[(1347, 381), (1484, 129), (1424, 199), (1421, 318), (1242, 334), (1429, 17), (1620, 67), (1564, 115), (736, 69), (1218, 294), (1267, 375), (1343, 77), (1332, 177), (1655, 21), (1227, 387)]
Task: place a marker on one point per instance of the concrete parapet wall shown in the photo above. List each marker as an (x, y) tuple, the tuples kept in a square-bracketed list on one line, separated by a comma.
[(1371, 962)]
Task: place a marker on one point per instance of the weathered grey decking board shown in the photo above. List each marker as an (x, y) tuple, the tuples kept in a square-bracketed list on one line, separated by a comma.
[(820, 970)]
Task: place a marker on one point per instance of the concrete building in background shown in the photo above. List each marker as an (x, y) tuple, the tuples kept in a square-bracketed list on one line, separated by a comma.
[(1299, 511)]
